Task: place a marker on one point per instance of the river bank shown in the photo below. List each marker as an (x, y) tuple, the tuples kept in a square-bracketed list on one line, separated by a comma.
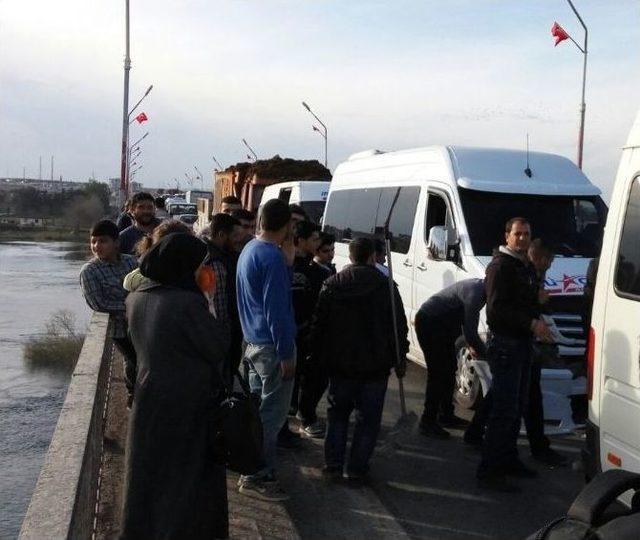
[(43, 235)]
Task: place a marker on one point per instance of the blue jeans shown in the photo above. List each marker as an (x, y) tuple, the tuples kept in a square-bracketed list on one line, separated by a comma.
[(510, 362), (265, 378), (367, 398)]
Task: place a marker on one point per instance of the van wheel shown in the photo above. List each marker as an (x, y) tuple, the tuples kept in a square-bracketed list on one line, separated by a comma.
[(468, 391)]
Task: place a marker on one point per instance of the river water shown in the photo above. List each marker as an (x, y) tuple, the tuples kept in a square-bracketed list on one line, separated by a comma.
[(36, 280)]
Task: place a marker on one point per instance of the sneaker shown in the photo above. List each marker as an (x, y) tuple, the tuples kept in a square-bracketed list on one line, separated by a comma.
[(550, 457), (265, 491), (288, 439), (433, 429), (498, 483), (314, 431), (519, 470)]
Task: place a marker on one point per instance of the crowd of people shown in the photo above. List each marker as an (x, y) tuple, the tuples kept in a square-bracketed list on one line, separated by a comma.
[(189, 312)]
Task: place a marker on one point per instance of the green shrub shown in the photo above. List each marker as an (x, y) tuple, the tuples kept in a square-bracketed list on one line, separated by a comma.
[(59, 346)]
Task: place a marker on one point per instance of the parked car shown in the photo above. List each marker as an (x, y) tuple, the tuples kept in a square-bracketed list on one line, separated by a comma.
[(613, 429), (310, 195), (451, 208)]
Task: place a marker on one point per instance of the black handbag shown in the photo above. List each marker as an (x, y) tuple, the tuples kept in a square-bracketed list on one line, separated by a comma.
[(587, 519), (238, 429)]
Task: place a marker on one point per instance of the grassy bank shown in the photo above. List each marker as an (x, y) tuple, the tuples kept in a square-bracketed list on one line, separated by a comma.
[(46, 235), (58, 346)]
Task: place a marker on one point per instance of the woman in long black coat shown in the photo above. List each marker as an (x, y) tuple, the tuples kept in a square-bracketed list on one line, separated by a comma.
[(173, 486)]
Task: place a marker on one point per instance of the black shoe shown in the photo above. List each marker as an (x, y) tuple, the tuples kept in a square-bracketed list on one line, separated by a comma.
[(288, 439), (433, 429), (519, 470), (550, 457), (452, 421), (497, 483)]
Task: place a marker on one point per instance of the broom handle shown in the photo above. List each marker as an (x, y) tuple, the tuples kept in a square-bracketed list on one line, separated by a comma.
[(394, 314)]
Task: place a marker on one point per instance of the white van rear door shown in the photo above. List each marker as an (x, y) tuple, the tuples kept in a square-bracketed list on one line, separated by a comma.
[(620, 390)]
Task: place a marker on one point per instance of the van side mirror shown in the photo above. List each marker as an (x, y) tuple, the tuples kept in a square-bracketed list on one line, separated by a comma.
[(437, 245)]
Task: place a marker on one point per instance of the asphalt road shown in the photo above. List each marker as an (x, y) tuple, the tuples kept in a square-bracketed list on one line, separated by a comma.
[(423, 488)]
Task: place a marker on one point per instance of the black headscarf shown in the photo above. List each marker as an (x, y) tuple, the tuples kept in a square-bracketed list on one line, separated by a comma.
[(174, 260)]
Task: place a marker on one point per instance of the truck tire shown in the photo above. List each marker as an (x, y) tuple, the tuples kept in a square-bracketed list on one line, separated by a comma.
[(468, 390)]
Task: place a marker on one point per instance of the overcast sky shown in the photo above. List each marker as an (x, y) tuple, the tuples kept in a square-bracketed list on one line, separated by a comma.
[(381, 74)]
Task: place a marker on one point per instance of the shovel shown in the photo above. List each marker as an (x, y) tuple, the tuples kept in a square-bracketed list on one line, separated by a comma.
[(404, 424)]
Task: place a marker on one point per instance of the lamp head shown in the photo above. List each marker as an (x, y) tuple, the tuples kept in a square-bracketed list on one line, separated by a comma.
[(148, 90), (306, 106)]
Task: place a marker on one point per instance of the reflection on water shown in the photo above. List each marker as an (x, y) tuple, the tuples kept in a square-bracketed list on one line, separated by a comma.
[(36, 280)]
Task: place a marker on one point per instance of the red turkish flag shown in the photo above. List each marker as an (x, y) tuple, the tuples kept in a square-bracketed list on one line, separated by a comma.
[(142, 117), (559, 33)]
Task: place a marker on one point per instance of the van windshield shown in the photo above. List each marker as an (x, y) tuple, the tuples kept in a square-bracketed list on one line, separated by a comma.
[(573, 225), (177, 209), (314, 210)]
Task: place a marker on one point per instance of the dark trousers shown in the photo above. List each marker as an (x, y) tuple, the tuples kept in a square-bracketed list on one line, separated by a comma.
[(533, 415), (437, 341), (313, 383), (510, 362), (125, 347), (367, 399)]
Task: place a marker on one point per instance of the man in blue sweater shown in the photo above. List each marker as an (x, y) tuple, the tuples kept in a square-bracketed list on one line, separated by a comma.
[(264, 275)]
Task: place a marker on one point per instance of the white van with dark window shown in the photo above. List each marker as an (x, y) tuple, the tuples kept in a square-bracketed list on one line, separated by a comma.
[(449, 217), (613, 430), (311, 195)]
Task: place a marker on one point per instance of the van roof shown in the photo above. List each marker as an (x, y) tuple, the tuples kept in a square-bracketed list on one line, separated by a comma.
[(633, 140), (485, 169)]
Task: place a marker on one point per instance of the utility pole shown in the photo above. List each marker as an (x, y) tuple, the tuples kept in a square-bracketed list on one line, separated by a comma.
[(40, 169), (125, 109), (52, 168), (322, 132)]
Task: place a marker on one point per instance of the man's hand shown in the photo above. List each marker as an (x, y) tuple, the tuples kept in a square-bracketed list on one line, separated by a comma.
[(288, 370), (541, 331), (401, 369), (289, 250)]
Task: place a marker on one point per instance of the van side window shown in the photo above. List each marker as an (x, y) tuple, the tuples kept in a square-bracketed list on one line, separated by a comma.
[(285, 195), (335, 218), (438, 215), (627, 277), (362, 212)]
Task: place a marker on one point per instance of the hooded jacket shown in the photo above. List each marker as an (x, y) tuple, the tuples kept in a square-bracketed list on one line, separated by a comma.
[(352, 328), (512, 296)]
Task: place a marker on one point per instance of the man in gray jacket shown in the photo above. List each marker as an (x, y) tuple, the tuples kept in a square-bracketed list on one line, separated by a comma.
[(452, 312)]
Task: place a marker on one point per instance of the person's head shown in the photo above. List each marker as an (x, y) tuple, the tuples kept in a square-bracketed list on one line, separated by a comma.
[(167, 227), (275, 220), (143, 208), (226, 232), (306, 236), (541, 255), (104, 240), (297, 213), (517, 234), (362, 251), (381, 252), (326, 250), (247, 220), (229, 204), (175, 260), (159, 202)]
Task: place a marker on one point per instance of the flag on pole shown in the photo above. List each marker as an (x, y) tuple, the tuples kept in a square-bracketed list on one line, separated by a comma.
[(142, 117), (559, 33)]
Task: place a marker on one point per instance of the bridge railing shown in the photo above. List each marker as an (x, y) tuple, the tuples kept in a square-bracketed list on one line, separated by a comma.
[(63, 503)]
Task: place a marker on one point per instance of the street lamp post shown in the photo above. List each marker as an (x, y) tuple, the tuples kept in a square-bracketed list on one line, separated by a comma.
[(199, 175), (128, 159), (217, 163), (583, 105), (125, 108), (322, 132), (255, 156)]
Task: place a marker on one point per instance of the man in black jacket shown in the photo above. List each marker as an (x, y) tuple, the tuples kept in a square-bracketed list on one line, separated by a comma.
[(439, 323), (513, 315), (352, 334)]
